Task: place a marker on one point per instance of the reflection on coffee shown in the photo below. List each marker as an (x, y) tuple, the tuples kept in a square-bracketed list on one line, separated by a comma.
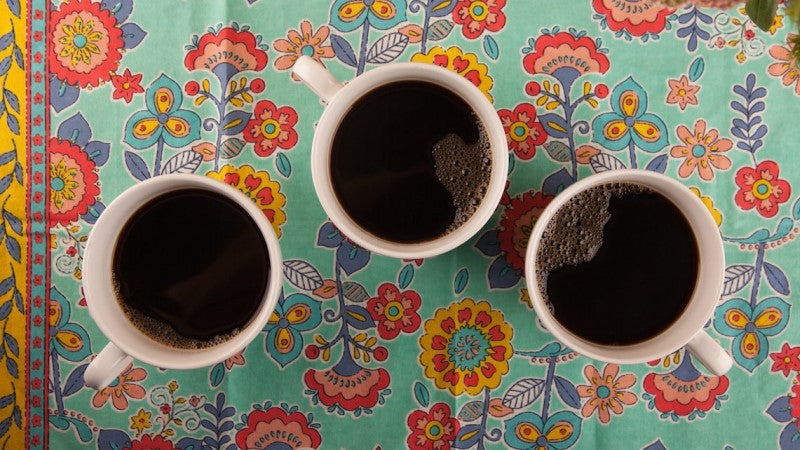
[(410, 162), (190, 268), (617, 264)]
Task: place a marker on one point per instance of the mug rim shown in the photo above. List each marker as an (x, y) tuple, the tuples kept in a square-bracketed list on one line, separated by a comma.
[(705, 295), (332, 117), (98, 284)]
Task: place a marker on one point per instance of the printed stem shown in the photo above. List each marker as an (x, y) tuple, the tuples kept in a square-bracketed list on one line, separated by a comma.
[(57, 384), (345, 329), (568, 110), (548, 390), (632, 153), (362, 54), (425, 22), (757, 276), (159, 154), (221, 114), (483, 417)]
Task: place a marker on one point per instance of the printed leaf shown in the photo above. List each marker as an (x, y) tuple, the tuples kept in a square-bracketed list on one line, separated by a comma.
[(489, 243), (234, 122), (557, 150), (467, 436), (132, 34), (780, 409), (358, 317), (5, 310), (523, 393), (343, 50), (74, 381), (736, 277), (501, 275), (283, 165), (6, 285), (421, 394), (6, 400), (136, 166), (405, 276), (441, 8), (6, 40), (490, 47), (186, 161), (13, 247), (696, 69), (439, 30), (604, 162), (13, 6), (471, 411), (460, 281), (658, 164), (557, 182), (231, 147), (11, 99), (5, 182), (387, 48), (216, 375), (5, 64), (567, 392), (776, 278), (8, 156), (354, 292), (302, 274), (11, 343)]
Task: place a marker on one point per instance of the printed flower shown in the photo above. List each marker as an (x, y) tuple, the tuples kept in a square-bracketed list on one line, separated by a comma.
[(271, 128), (787, 66), (124, 386), (682, 93), (73, 182), (67, 339), (794, 400), (684, 390), (163, 119), (516, 224), (274, 428), (528, 431), (628, 122), (150, 443), (523, 131), (762, 189), (464, 64), (433, 429), (395, 311), (303, 42), (466, 347), (347, 15), (263, 191), (709, 203), (347, 384), (750, 327), (701, 150), (235, 360), (126, 85), (173, 386), (141, 421), (86, 43), (606, 392), (475, 16), (633, 16), (565, 57), (786, 360), (226, 53), (293, 315)]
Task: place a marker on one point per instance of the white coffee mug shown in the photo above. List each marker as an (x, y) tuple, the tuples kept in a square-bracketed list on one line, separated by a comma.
[(127, 342), (340, 98), (687, 329)]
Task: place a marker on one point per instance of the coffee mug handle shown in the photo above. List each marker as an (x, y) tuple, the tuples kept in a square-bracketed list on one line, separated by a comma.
[(316, 77), (710, 353), (108, 364)]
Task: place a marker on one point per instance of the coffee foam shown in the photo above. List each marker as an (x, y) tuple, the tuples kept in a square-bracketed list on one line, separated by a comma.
[(575, 232), (464, 170), (163, 333)]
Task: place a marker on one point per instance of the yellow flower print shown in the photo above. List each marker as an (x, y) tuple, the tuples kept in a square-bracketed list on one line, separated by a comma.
[(466, 347), (464, 64), (263, 191), (709, 202), (141, 421)]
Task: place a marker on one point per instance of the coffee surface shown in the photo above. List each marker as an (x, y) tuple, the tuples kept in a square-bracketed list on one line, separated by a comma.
[(618, 264), (191, 268), (410, 162)]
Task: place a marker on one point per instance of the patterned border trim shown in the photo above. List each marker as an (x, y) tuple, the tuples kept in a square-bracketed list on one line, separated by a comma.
[(39, 125)]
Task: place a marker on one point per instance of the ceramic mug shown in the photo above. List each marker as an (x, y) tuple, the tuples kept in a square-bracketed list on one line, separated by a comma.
[(687, 329), (340, 98), (127, 342)]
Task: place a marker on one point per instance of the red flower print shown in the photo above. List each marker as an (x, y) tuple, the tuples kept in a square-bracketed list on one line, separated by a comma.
[(563, 52), (523, 131), (794, 399), (271, 128), (126, 85), (685, 389), (347, 384), (786, 360), (761, 188), (516, 224), (73, 182), (226, 51), (432, 429), (395, 311), (636, 17), (275, 428), (148, 443), (479, 15)]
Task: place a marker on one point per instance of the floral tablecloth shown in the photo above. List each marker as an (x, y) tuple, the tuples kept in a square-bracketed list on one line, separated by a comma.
[(365, 351)]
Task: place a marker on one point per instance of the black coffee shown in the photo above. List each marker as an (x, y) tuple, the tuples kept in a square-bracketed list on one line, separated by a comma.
[(618, 264), (191, 268), (410, 162)]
